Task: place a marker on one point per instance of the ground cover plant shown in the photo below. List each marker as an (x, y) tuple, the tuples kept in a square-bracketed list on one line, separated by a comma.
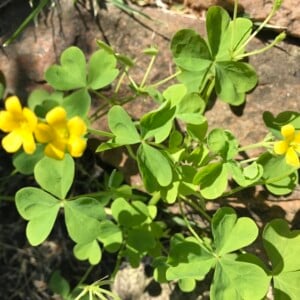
[(181, 162)]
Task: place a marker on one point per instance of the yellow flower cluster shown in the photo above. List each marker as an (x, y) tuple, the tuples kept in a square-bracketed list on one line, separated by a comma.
[(290, 146), (58, 133)]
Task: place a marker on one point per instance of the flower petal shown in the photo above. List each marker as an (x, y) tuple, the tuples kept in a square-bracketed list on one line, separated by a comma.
[(31, 118), (12, 142), (288, 132), (76, 126), (8, 122), (43, 133), (57, 115), (28, 142), (13, 105), (292, 158), (76, 146), (281, 147), (54, 152)]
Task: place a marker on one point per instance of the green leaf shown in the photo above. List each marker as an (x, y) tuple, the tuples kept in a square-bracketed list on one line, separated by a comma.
[(274, 124), (2, 84), (278, 176), (153, 161), (38, 98), (55, 176), (238, 280), (233, 80), (223, 142), (175, 93), (71, 74), (217, 22), (77, 104), (158, 123), (102, 69), (141, 240), (245, 176), (59, 285), (40, 209), (25, 163), (283, 247), (110, 235), (284, 186), (232, 233), (82, 217), (187, 284), (188, 259), (122, 126), (129, 214), (190, 51), (213, 180), (90, 251)]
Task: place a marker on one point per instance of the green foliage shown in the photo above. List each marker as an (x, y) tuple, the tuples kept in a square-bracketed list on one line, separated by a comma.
[(181, 162)]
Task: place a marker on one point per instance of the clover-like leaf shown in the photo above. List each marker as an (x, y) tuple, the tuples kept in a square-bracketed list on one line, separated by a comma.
[(25, 163), (217, 22), (187, 259), (279, 177), (158, 123), (82, 217), (129, 214), (213, 180), (283, 246), (40, 209), (77, 104), (154, 163), (274, 123), (90, 251), (232, 233), (110, 235), (55, 176), (122, 126), (235, 280), (223, 143), (233, 80), (190, 51), (71, 74), (102, 69)]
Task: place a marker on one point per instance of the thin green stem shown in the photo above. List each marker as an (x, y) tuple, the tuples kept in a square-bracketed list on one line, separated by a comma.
[(84, 277), (130, 152), (100, 132), (256, 145), (262, 25), (235, 9), (118, 262), (154, 85), (188, 225), (148, 71), (121, 79), (197, 208), (279, 38)]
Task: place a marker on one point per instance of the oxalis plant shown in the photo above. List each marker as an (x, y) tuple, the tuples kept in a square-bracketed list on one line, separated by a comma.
[(181, 162)]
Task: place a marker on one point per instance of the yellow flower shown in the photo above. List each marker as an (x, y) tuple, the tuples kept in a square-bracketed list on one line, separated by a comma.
[(290, 146), (19, 124), (61, 134)]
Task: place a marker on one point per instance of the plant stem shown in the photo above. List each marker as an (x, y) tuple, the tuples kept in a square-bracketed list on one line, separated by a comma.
[(256, 145), (262, 25), (188, 225), (84, 277), (278, 39), (148, 71), (165, 79), (198, 208)]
